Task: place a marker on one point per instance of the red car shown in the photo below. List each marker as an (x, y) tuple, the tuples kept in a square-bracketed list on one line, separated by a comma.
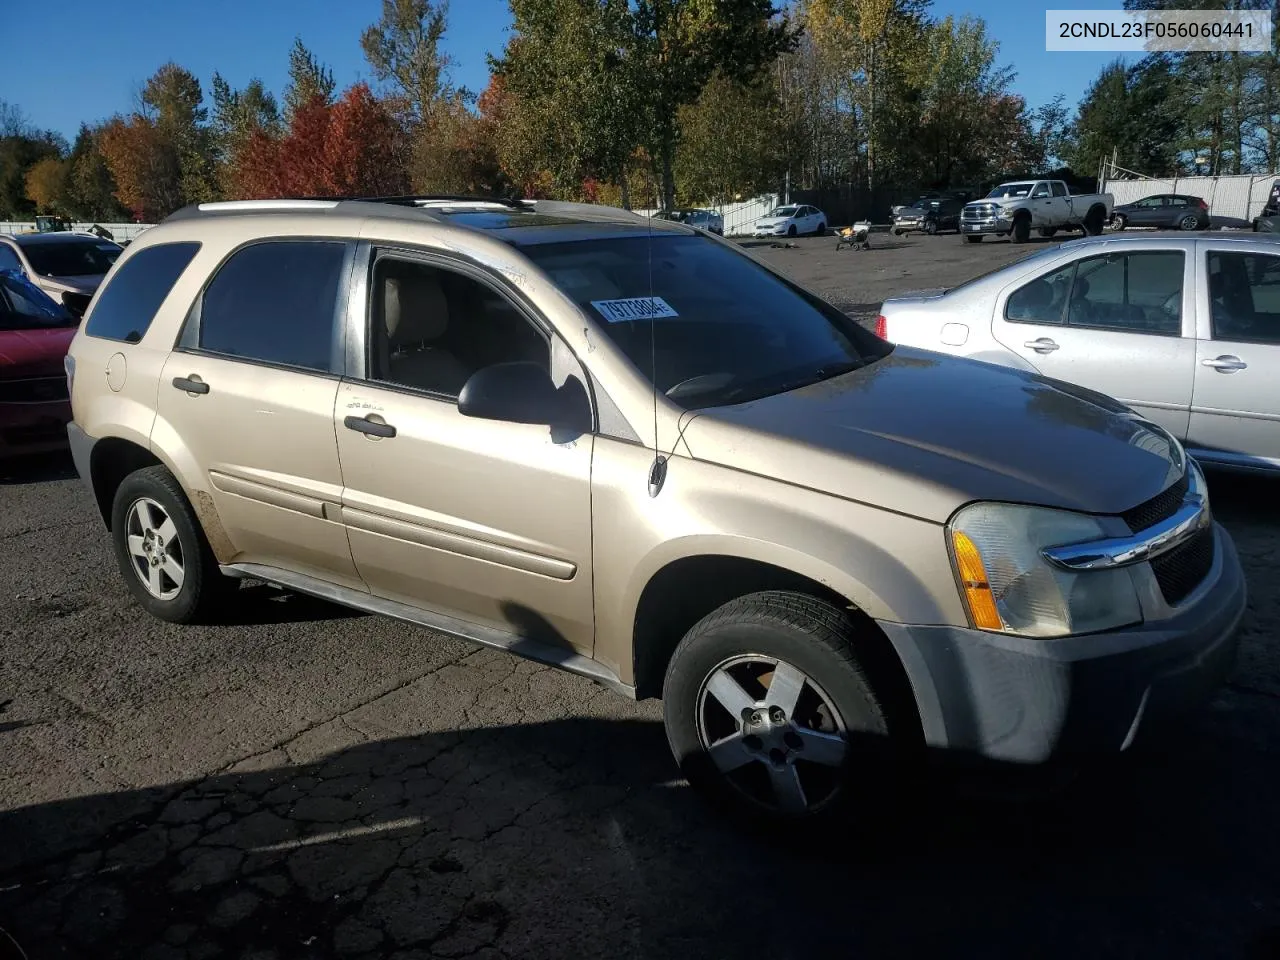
[(35, 332)]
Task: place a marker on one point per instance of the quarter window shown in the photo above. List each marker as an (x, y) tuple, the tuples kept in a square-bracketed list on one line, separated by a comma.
[(8, 259), (124, 308), (276, 302), (1244, 296), (1059, 188)]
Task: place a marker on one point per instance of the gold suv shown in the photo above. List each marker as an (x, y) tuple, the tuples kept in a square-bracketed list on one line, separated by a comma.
[(626, 448)]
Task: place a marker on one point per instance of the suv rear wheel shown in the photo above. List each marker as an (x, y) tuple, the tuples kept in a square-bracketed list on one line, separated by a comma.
[(769, 712), (162, 552)]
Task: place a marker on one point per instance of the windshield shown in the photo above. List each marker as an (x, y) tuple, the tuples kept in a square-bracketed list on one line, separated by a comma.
[(1010, 191), (715, 326), (783, 212), (72, 257), (24, 306)]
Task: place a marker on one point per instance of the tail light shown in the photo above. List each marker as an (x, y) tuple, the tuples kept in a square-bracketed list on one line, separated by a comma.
[(882, 327), (1201, 204)]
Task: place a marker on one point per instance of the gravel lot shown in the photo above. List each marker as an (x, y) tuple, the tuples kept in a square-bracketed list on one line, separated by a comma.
[(306, 783)]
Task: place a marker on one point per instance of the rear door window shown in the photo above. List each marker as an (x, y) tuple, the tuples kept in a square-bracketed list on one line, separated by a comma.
[(124, 308), (276, 302), (1059, 189), (1244, 296)]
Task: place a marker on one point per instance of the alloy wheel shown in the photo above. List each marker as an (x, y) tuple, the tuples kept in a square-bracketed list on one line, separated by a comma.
[(155, 550), (773, 733)]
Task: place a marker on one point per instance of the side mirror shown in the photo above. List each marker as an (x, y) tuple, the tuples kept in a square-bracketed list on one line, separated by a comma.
[(519, 392)]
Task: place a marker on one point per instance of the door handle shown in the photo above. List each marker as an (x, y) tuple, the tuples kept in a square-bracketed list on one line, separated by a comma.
[(191, 384), (1225, 363), (1041, 345), (370, 428)]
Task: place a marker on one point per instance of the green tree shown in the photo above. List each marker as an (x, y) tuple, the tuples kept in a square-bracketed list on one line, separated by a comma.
[(22, 146), (90, 189), (731, 142), (237, 116), (1135, 112), (173, 100), (309, 80), (593, 80), (882, 45), (403, 48)]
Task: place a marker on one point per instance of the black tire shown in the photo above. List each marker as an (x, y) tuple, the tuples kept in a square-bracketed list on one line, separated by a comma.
[(817, 639), (791, 230), (931, 227), (969, 238), (203, 589), (1048, 232), (1094, 221), (1022, 229), (1119, 222), (821, 231)]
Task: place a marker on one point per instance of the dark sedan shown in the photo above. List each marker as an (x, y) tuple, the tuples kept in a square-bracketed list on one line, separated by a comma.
[(34, 335), (1172, 211), (929, 216)]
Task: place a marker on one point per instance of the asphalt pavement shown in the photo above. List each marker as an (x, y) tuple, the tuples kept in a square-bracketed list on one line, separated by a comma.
[(306, 782)]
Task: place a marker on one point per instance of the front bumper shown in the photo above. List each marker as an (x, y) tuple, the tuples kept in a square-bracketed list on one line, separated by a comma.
[(987, 225), (32, 428), (778, 230), (1027, 701)]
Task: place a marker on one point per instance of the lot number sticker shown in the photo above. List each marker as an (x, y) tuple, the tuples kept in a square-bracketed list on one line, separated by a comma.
[(634, 308)]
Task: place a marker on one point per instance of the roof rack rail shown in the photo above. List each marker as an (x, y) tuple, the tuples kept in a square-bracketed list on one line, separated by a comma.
[(423, 199), (599, 210), (276, 205)]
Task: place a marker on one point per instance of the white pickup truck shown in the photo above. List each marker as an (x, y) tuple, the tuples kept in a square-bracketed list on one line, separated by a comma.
[(1013, 209)]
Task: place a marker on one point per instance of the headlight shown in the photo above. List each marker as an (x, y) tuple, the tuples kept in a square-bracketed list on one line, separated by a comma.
[(1009, 587)]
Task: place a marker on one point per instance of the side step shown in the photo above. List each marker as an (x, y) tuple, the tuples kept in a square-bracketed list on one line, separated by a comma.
[(560, 657)]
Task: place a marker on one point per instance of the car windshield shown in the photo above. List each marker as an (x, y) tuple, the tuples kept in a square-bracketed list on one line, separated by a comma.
[(24, 306), (708, 326), (1010, 191), (783, 212), (72, 257)]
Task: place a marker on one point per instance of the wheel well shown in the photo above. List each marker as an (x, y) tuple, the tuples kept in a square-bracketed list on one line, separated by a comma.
[(112, 460), (1098, 209), (686, 590), (1021, 215)]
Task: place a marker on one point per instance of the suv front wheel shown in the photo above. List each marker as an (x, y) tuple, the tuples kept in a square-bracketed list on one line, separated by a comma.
[(163, 555), (769, 712)]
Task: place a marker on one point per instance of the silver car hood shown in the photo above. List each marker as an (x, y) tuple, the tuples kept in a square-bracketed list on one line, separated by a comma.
[(922, 434)]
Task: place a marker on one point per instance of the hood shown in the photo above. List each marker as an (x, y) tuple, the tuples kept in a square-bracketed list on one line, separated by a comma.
[(85, 284), (772, 221), (922, 434), (37, 352)]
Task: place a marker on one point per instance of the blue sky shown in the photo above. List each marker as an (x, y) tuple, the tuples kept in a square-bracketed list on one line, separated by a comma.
[(57, 85)]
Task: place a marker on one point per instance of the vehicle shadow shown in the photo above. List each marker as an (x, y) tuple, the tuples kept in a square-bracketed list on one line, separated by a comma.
[(37, 469), (570, 838), (258, 603)]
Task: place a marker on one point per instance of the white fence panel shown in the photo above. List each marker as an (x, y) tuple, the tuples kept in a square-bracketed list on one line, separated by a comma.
[(739, 217), (1241, 197), (121, 231)]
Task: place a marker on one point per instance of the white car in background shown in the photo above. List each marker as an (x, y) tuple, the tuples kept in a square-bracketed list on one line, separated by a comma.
[(1185, 330), (792, 220)]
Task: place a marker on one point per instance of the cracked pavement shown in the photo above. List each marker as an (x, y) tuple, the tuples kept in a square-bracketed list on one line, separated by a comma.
[(306, 782)]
